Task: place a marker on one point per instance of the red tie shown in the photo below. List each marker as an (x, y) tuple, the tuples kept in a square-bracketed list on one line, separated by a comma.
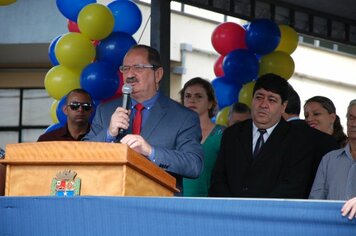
[(136, 129)]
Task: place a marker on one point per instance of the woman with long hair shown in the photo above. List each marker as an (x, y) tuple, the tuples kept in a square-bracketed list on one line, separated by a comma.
[(320, 113), (198, 95)]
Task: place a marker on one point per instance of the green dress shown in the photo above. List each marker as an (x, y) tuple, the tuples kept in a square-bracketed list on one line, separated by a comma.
[(199, 187)]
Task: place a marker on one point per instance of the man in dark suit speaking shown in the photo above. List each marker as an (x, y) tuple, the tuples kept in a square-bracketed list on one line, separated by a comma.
[(162, 130), (263, 157)]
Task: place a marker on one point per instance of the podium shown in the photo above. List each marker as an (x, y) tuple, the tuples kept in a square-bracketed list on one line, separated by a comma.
[(105, 169)]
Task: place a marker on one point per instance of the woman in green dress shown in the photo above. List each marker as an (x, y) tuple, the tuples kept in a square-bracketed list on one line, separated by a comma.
[(198, 95)]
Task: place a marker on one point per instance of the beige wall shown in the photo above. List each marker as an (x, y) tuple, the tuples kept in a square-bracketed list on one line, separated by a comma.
[(22, 78)]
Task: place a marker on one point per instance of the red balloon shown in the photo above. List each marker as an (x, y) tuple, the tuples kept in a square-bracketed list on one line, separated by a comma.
[(95, 42), (228, 36), (73, 26), (218, 66)]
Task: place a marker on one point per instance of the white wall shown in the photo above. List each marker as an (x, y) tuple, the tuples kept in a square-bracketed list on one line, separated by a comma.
[(325, 73)]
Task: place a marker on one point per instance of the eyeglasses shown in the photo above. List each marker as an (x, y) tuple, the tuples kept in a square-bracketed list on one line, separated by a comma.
[(136, 68), (75, 106)]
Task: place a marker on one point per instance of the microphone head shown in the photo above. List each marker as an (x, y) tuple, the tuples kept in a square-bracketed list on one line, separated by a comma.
[(127, 89)]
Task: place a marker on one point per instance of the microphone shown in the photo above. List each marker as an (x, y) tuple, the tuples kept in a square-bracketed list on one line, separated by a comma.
[(126, 101)]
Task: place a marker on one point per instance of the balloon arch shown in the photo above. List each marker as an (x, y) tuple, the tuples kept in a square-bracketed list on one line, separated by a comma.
[(247, 52), (88, 56)]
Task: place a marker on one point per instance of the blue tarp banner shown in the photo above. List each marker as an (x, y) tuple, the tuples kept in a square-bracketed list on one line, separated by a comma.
[(170, 216)]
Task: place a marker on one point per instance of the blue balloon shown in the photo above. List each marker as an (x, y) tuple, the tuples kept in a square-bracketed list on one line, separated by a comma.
[(113, 48), (71, 8), (53, 127), (226, 92), (240, 66), (262, 36), (128, 17), (62, 118), (100, 80), (51, 53)]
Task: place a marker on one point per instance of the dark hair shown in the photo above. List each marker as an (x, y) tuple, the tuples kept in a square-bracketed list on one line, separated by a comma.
[(293, 106), (80, 91), (325, 102), (153, 55), (208, 89), (239, 107), (273, 83), (329, 106)]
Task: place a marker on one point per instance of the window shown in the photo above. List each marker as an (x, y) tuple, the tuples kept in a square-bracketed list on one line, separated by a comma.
[(25, 114)]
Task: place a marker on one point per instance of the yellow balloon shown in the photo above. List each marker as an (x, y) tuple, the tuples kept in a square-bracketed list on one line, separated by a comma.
[(223, 116), (96, 21), (6, 2), (277, 62), (289, 39), (74, 51), (246, 93), (60, 80), (54, 111)]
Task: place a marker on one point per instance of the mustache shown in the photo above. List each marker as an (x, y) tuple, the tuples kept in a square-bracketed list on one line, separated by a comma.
[(131, 80)]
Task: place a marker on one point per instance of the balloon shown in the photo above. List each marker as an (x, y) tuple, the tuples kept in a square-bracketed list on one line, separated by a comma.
[(218, 66), (128, 17), (53, 127), (226, 92), (73, 26), (100, 80), (113, 48), (74, 51), (60, 80), (118, 92), (53, 110), (96, 21), (51, 52), (62, 117), (70, 9), (240, 66), (262, 36), (277, 62), (246, 93), (222, 117), (228, 36), (289, 39), (6, 2)]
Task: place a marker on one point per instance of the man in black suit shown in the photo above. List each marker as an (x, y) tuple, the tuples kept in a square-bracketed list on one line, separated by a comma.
[(282, 166), (321, 142)]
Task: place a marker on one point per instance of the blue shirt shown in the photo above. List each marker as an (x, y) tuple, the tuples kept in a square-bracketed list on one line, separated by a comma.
[(336, 176)]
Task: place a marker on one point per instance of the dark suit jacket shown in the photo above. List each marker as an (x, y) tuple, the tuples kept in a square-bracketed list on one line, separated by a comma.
[(172, 129), (281, 169), (321, 143)]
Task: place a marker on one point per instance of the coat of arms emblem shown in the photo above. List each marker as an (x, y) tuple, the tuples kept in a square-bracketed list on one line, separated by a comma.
[(65, 184)]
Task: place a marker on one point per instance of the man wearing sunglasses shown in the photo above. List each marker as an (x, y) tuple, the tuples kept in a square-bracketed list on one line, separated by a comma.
[(78, 109), (168, 133)]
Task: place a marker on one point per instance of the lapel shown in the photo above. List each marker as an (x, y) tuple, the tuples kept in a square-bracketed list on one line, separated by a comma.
[(246, 140), (274, 141), (158, 111), (242, 137)]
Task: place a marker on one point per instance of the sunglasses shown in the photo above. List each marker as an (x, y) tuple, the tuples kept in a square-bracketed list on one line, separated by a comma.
[(75, 106)]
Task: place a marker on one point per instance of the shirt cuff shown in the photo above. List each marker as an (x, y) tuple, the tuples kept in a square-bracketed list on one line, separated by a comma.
[(151, 157), (109, 138)]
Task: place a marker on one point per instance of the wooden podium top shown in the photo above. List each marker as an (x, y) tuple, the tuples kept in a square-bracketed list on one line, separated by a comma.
[(84, 153)]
